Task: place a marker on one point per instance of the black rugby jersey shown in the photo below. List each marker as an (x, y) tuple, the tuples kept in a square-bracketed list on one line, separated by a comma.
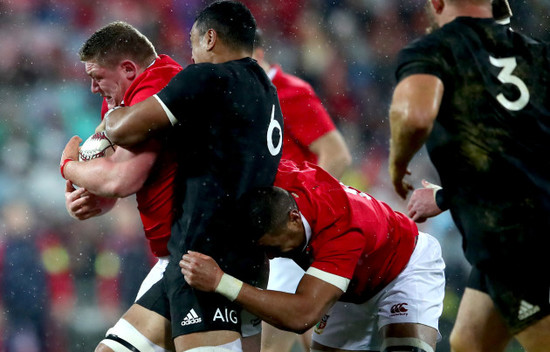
[(228, 139), (491, 138)]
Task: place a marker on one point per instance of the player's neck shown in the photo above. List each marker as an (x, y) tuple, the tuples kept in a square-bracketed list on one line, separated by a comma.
[(230, 55), (466, 10), (265, 65)]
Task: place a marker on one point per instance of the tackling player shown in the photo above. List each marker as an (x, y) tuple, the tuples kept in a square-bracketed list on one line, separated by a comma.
[(125, 69), (309, 135), (373, 282), (228, 126), (476, 93)]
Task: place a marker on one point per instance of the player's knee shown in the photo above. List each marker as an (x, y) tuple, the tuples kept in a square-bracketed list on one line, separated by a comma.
[(123, 337), (457, 342), (411, 344)]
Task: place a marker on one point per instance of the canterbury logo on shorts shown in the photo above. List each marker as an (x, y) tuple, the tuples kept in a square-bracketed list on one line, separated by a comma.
[(399, 309)]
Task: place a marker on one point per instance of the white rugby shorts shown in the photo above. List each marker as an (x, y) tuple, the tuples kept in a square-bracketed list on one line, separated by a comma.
[(415, 296), (284, 275)]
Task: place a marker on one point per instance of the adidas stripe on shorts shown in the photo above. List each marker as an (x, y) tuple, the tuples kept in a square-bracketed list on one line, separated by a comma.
[(521, 300)]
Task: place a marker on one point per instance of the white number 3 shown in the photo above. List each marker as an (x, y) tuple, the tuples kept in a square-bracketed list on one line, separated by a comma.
[(505, 76)]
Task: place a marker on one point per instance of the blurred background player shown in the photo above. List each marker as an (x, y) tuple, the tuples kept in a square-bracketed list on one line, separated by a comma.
[(309, 135), (476, 93), (373, 281), (125, 69)]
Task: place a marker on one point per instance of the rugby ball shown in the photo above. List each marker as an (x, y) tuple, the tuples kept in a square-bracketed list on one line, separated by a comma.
[(96, 146)]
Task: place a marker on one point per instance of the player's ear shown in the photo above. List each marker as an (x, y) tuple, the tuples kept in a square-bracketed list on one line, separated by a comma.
[(294, 216), (438, 5), (211, 37), (129, 69)]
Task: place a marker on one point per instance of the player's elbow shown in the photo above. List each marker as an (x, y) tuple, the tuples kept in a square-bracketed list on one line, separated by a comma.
[(345, 159), (119, 136), (413, 118), (122, 187), (125, 189), (303, 319), (120, 129)]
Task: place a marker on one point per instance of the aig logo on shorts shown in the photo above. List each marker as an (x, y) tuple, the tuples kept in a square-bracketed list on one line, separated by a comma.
[(399, 309), (226, 316)]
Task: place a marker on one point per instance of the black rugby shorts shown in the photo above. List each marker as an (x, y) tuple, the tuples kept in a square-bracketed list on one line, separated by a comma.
[(520, 300)]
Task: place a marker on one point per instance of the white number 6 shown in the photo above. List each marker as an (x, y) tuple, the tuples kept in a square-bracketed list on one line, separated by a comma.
[(274, 124), (505, 76)]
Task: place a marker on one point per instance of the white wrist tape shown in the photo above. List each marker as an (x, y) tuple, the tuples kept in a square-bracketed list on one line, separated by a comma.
[(229, 287)]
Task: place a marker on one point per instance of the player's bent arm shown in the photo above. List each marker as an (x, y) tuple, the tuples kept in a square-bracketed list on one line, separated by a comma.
[(118, 175), (295, 312), (414, 108), (128, 126), (332, 153)]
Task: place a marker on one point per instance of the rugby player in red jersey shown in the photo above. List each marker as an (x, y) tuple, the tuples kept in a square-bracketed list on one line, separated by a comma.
[(309, 135), (225, 115), (373, 281), (125, 69)]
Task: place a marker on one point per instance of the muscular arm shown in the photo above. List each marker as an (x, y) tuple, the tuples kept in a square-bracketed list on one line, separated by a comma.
[(296, 312), (131, 125), (415, 104), (118, 175), (332, 153)]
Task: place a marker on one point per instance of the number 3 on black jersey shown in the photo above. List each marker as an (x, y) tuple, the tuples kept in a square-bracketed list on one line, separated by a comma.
[(274, 124), (508, 65)]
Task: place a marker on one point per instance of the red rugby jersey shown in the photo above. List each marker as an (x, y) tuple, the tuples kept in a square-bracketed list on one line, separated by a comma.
[(353, 235), (155, 198), (305, 118)]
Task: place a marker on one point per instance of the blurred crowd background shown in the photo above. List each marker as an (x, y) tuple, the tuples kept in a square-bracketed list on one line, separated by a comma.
[(63, 282)]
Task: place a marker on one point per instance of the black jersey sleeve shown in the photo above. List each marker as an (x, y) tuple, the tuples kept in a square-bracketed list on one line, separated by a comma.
[(420, 57)]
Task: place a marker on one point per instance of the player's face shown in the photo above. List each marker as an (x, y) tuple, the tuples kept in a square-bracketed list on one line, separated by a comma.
[(198, 47), (286, 242), (110, 83)]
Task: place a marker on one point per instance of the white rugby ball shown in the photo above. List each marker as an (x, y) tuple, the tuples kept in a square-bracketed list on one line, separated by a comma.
[(96, 146)]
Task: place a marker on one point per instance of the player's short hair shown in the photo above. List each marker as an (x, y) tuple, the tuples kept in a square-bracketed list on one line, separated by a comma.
[(115, 42), (263, 210), (232, 21)]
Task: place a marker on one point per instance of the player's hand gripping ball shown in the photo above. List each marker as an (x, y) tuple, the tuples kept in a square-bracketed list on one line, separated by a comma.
[(96, 146)]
